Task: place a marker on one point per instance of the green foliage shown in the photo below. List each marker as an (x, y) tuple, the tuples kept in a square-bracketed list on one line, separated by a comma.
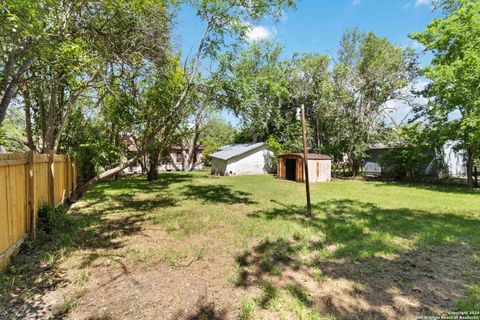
[(91, 142), (344, 106), (247, 309), (406, 162), (454, 73), (472, 301), (215, 133), (52, 220), (274, 145), (370, 71), (12, 131), (414, 152)]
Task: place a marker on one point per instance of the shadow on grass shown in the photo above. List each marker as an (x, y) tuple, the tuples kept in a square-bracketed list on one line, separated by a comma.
[(437, 187), (217, 193), (204, 309), (388, 255), (97, 232)]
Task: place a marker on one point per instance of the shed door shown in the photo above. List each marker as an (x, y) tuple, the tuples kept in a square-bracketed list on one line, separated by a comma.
[(290, 169)]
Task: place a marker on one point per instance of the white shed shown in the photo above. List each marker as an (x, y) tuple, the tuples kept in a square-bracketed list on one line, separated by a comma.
[(242, 159)]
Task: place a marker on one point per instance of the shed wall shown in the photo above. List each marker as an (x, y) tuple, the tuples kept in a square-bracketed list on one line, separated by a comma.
[(253, 162), (219, 166)]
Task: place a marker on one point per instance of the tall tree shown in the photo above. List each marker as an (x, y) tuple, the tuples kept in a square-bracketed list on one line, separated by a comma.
[(224, 20), (23, 35), (92, 44), (454, 107), (216, 132), (369, 72), (254, 83)]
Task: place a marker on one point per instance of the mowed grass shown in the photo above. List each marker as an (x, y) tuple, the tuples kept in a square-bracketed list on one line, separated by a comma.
[(362, 219), (259, 221)]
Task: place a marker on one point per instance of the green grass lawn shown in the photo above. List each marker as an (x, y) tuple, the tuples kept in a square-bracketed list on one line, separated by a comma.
[(372, 249)]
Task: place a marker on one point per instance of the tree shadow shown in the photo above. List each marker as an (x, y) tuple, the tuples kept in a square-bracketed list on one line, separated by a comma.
[(204, 309), (217, 193), (97, 232), (437, 187), (398, 263)]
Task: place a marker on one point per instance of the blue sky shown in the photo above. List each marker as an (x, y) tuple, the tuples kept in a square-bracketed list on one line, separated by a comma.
[(316, 26)]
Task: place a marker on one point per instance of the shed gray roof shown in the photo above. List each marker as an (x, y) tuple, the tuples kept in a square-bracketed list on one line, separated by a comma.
[(232, 150)]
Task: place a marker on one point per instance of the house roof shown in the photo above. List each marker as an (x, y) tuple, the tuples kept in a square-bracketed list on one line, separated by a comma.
[(311, 156), (389, 145), (232, 150)]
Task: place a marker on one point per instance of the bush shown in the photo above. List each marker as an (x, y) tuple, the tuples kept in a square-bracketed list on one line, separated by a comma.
[(407, 162), (52, 219)]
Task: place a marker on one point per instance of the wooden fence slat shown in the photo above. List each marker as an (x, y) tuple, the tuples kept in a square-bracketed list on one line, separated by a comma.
[(51, 178), (32, 218), (26, 181)]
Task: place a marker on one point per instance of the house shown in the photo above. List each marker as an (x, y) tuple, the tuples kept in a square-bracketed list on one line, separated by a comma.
[(291, 167), (449, 160), (176, 160), (173, 162), (242, 159)]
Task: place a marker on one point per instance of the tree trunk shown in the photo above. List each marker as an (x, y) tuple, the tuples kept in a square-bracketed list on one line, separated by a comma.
[(355, 168), (476, 177), (81, 190), (28, 119), (9, 84), (157, 129), (470, 163), (152, 173), (153, 169)]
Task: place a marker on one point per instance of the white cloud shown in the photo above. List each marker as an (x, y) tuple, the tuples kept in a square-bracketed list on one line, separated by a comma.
[(257, 33), (356, 2), (423, 3), (415, 45)]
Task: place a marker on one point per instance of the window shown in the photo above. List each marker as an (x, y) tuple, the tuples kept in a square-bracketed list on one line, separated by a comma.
[(179, 157)]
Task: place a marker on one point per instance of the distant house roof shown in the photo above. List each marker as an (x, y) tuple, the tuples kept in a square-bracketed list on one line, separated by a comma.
[(179, 148), (389, 145), (311, 156), (232, 150)]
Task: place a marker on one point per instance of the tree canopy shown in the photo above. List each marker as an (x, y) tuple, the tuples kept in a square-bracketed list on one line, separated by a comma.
[(454, 107)]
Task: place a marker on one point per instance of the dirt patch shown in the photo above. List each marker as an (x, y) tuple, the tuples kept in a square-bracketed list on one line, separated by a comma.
[(425, 281), (142, 252)]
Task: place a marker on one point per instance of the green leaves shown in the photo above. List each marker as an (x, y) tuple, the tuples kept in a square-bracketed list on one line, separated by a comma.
[(455, 73)]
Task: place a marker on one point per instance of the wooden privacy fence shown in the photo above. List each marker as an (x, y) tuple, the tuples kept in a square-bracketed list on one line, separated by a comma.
[(28, 180)]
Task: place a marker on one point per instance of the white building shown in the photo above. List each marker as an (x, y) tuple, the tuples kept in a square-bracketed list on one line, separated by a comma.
[(242, 159)]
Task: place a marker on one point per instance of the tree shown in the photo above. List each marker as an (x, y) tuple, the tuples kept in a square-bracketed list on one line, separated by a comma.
[(12, 133), (224, 20), (454, 107), (254, 83), (413, 152), (215, 133), (22, 37), (369, 72), (90, 44)]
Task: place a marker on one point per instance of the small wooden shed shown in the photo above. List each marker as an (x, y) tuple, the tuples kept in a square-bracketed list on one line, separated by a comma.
[(291, 167)]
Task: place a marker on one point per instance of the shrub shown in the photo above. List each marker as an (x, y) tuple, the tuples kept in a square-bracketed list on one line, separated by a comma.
[(52, 219), (407, 162)]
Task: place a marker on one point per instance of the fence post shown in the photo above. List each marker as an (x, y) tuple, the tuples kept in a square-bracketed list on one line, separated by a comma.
[(67, 175), (31, 216), (51, 178)]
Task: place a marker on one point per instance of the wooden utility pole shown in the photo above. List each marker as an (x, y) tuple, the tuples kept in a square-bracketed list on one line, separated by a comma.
[(305, 160)]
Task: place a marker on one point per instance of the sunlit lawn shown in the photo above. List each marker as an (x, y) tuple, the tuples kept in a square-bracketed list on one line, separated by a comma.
[(370, 235)]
